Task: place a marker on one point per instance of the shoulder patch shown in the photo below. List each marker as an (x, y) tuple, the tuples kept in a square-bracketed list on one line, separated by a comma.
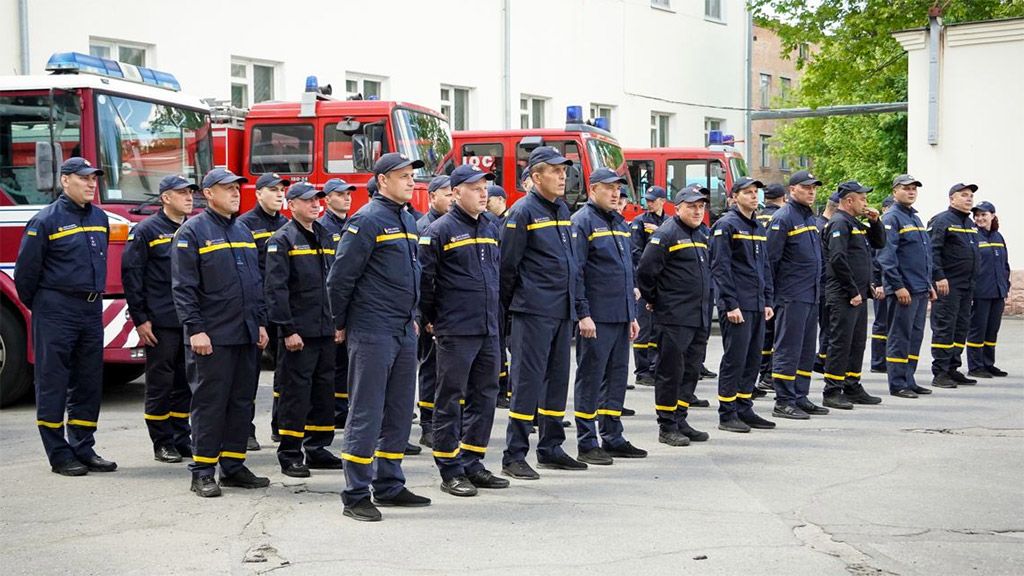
[(425, 240), (655, 240), (31, 231), (836, 234), (182, 243), (352, 228), (775, 226), (271, 248), (718, 232), (131, 237)]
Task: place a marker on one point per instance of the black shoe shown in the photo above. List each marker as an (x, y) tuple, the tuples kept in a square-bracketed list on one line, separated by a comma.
[(412, 449), (734, 425), (70, 468), (484, 479), (959, 378), (597, 457), (185, 451), (879, 371), (561, 462), (97, 464), (921, 390), (566, 424), (904, 393), (458, 486), (943, 381), (628, 411), (692, 433), (363, 511), (979, 373), (644, 381), (997, 372), (858, 395), (322, 459), (819, 368), (699, 403), (630, 386), (705, 373), (503, 402), (789, 412), (252, 444), (166, 454), (244, 478), (838, 400), (205, 486), (766, 383), (757, 393), (519, 470), (296, 470), (627, 450), (274, 437), (673, 438), (427, 439), (812, 408), (404, 499), (754, 421)]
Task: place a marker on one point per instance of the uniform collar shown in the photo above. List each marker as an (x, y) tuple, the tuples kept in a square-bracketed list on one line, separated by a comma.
[(434, 214), (70, 205), (905, 209), (334, 217), (608, 215), (259, 211), (802, 208), (458, 213), (548, 203), (163, 216), (389, 203), (750, 221), (958, 213), (683, 225), (218, 219)]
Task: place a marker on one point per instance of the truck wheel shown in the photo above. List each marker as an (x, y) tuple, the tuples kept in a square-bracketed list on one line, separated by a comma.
[(15, 371), (118, 374)]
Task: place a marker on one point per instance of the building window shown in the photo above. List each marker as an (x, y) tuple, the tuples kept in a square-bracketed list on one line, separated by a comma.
[(659, 130), (663, 4), (784, 164), (804, 51), (713, 9), (785, 85), (712, 124), (251, 82), (127, 52), (531, 111), (369, 87), (766, 90), (766, 158), (455, 106), (602, 111), (803, 162)]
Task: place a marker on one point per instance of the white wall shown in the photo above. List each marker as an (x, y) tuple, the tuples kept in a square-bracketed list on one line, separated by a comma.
[(981, 121), (619, 52)]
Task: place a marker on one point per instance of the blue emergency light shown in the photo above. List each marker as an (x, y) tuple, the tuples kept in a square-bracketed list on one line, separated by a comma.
[(714, 137), (574, 115), (76, 62), (311, 84), (601, 122)]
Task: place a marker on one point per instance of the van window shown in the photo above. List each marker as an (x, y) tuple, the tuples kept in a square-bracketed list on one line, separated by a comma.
[(708, 173), (24, 131), (567, 148), (641, 172), (338, 152), (283, 148), (489, 157)]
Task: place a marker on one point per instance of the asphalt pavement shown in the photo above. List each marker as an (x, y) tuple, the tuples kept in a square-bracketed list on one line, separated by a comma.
[(909, 487)]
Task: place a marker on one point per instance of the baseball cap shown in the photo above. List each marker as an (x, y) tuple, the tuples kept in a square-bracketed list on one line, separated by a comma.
[(904, 179), (692, 193), (655, 192), (175, 182), (467, 174), (984, 206), (271, 179), (338, 185), (394, 161), (80, 166), (803, 177), (774, 191), (438, 182), (547, 155), (851, 187), (221, 176), (961, 186), (496, 191), (606, 176), (304, 191), (745, 182)]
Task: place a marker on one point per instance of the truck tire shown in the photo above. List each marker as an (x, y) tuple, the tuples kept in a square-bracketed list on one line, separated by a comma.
[(119, 374), (15, 371)]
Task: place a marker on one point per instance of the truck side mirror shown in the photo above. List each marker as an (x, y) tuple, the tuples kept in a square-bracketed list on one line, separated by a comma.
[(574, 195), (348, 126), (48, 160)]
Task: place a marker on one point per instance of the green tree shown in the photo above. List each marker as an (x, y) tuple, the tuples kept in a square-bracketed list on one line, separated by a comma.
[(856, 60)]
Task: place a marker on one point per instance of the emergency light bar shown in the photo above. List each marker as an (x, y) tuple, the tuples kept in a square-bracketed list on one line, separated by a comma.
[(78, 63), (574, 115), (716, 137)]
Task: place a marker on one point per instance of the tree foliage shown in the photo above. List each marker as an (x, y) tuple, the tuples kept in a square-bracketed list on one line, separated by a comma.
[(855, 61)]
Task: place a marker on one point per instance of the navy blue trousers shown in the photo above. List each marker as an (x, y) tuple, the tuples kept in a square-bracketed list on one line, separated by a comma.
[(903, 346), (426, 353), (847, 330), (382, 390), (540, 382), (796, 324), (602, 368), (340, 385), (741, 361), (223, 385), (951, 319), (306, 409), (681, 351), (167, 392), (645, 347), (879, 333), (986, 316), (67, 335)]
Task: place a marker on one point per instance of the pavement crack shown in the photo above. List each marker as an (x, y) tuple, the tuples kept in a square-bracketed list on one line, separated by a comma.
[(858, 563), (975, 431)]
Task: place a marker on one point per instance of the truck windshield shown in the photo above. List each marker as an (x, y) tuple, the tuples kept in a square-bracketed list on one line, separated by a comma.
[(141, 142), (25, 143), (422, 136), (605, 154), (738, 167)]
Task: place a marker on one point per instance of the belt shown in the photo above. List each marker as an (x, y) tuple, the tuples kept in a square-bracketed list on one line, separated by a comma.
[(87, 296)]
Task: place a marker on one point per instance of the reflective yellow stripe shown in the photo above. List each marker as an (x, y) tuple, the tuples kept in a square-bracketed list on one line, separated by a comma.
[(85, 423), (205, 460), (389, 455), (64, 233), (452, 454), (857, 231), (551, 413), (912, 357), (748, 237), (327, 250), (261, 235), (665, 408), (682, 245), (822, 356), (853, 374), (879, 337), (462, 401), (54, 425), (179, 414), (767, 352), (896, 360), (607, 233), (782, 376), (305, 252), (606, 412), (519, 416), (207, 249), (157, 416), (277, 394), (502, 374), (990, 343), (585, 416), (423, 404), (942, 346), (727, 399), (340, 395), (537, 225), (159, 241), (397, 236), (976, 344), (803, 373), (293, 433), (906, 229), (311, 428), (743, 396), (801, 230), (963, 230), (356, 459), (834, 377), (469, 241), (991, 245), (959, 345), (510, 225), (472, 448), (683, 404), (235, 455)]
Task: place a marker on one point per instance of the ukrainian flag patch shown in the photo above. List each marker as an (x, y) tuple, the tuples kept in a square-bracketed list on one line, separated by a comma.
[(31, 231), (182, 243), (272, 248), (655, 240)]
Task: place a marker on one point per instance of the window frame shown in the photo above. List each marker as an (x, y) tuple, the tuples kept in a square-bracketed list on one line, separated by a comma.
[(529, 111), (450, 104), (708, 121), (661, 132), (765, 85), (312, 147), (765, 148), (361, 79), (596, 109), (249, 80), (720, 17)]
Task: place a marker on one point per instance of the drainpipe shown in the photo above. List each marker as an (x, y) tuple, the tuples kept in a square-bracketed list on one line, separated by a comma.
[(506, 81), (23, 26), (748, 121), (934, 36)]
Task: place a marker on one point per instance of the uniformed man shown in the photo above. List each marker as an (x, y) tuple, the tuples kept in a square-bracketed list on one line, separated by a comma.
[(263, 220), (955, 264), (146, 276), (989, 294), (739, 265), (645, 347), (794, 250), (906, 262), (299, 255), (774, 198), (879, 329), (334, 219), (496, 213), (218, 294), (538, 286), (440, 193), (821, 222), (674, 278), (623, 199), (847, 244), (497, 203), (374, 288), (459, 305), (60, 275), (606, 307)]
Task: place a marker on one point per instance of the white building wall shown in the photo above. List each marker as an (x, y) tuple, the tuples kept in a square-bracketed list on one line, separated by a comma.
[(618, 52), (981, 120)]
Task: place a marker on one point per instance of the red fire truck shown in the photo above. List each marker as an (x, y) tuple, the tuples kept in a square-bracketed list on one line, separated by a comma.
[(505, 152), (321, 137), (137, 126)]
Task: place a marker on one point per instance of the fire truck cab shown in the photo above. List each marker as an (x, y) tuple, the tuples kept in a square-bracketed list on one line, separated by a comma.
[(136, 125)]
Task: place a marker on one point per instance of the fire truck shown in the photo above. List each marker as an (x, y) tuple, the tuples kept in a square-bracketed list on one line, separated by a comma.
[(320, 137), (505, 153), (715, 167), (136, 125)]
